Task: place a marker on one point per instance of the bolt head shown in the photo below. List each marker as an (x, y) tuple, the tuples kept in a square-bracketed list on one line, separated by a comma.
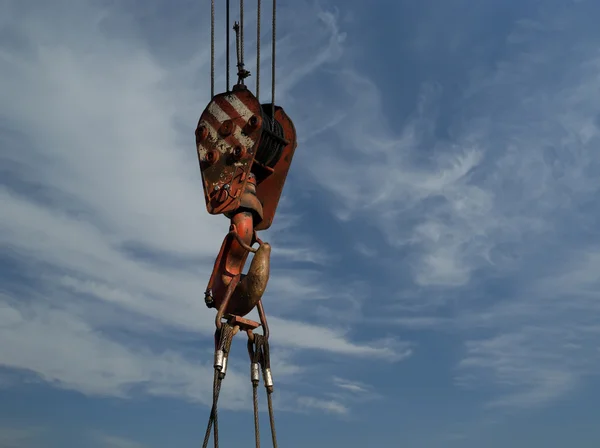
[(226, 128), (212, 156), (253, 123), (201, 133)]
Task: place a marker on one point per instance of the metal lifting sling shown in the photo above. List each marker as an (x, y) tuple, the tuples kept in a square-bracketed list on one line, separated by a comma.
[(245, 150)]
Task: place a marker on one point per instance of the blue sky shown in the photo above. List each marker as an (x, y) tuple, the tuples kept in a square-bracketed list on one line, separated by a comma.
[(433, 279)]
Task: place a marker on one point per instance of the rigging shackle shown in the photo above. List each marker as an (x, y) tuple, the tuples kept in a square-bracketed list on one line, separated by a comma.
[(238, 28)]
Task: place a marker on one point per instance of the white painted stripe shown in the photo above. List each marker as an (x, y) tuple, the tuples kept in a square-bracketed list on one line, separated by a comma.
[(202, 152), (245, 113), (216, 111), (214, 136), (219, 113), (243, 139), (240, 107), (220, 116)]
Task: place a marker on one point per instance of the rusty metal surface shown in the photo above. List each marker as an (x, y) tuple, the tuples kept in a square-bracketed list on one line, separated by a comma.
[(270, 187), (250, 289), (244, 324), (249, 200), (226, 138), (235, 293), (232, 257), (232, 292)]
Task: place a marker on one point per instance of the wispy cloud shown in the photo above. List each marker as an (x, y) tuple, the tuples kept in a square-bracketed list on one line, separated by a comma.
[(112, 441), (470, 213), (330, 406), (68, 352), (103, 209), (489, 208), (547, 341), (352, 386), (341, 398), (20, 437)]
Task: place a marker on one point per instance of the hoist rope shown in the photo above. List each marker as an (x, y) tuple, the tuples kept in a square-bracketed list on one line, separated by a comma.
[(227, 44), (242, 32), (212, 49), (258, 49), (273, 59)]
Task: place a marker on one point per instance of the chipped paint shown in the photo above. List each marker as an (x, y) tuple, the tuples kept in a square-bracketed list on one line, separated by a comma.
[(225, 119)]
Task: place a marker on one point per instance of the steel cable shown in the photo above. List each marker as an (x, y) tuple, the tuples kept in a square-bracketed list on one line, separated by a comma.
[(272, 419), (225, 338), (212, 49), (266, 364), (255, 359), (256, 422), (242, 32), (258, 50), (274, 24), (227, 44)]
